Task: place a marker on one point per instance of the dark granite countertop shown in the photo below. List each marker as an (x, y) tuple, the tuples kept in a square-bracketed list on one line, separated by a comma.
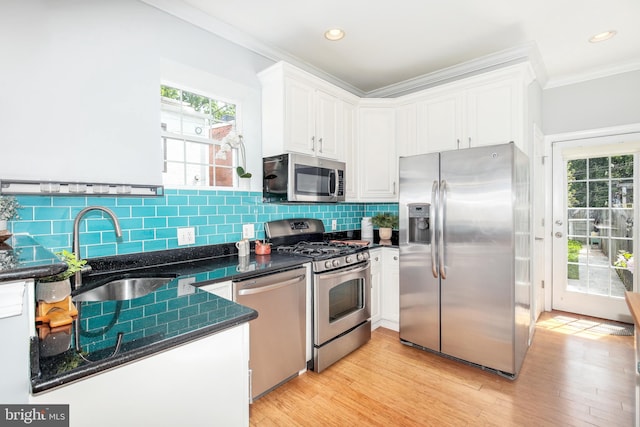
[(165, 318), (21, 257)]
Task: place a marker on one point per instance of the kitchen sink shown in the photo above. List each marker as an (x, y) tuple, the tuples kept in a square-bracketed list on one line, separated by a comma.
[(123, 289)]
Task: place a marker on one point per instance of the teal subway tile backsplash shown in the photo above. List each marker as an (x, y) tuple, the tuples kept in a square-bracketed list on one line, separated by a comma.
[(150, 224)]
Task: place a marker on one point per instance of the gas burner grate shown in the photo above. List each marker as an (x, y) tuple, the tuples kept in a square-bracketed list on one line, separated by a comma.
[(315, 249)]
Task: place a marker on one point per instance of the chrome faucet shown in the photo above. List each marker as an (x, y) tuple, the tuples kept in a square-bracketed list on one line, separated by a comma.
[(76, 234)]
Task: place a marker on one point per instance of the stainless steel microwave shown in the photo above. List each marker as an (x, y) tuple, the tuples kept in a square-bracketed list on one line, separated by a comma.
[(300, 178)]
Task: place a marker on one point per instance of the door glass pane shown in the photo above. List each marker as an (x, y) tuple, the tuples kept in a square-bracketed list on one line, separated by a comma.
[(599, 194), (576, 170), (600, 225)]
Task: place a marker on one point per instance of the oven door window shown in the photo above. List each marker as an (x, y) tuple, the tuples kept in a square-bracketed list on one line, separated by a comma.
[(314, 181), (346, 298)]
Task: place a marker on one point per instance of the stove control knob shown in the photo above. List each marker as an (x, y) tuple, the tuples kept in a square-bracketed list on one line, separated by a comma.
[(360, 257), (365, 255), (336, 263), (327, 264), (348, 259)]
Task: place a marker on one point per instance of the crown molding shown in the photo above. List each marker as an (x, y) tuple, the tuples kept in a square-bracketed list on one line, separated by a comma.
[(527, 52), (522, 53), (593, 74), (200, 19)]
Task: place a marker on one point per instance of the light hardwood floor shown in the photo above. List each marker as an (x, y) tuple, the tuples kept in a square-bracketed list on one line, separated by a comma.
[(572, 376)]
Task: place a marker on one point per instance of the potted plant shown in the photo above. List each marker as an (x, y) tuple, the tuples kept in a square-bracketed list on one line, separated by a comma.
[(385, 222), (8, 210), (57, 287), (234, 141)]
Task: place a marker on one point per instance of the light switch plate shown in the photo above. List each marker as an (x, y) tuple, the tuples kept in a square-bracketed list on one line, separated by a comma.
[(186, 236), (184, 286), (248, 231), (334, 224)]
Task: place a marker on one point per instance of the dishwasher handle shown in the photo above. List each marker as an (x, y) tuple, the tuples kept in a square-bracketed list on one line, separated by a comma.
[(267, 288)]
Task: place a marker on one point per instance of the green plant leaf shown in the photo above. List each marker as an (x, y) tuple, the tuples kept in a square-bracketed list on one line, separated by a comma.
[(73, 265), (385, 220), (242, 173)]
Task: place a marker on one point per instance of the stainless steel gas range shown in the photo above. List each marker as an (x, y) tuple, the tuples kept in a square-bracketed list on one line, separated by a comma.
[(341, 287)]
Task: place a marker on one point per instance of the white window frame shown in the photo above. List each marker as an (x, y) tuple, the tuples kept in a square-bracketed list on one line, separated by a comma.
[(192, 138)]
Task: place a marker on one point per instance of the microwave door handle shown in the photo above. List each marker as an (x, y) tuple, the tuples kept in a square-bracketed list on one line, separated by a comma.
[(333, 173)]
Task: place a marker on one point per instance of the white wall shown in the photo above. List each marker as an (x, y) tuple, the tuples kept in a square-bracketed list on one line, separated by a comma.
[(595, 104), (80, 87)]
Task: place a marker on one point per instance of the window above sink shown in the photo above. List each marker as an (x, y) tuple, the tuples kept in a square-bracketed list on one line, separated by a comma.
[(194, 128)]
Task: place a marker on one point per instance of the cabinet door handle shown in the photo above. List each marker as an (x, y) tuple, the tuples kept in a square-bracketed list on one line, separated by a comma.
[(394, 187), (469, 142), (313, 143), (458, 141), (320, 145)]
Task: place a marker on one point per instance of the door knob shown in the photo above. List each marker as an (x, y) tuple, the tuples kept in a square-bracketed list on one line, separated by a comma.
[(558, 234), (558, 222)]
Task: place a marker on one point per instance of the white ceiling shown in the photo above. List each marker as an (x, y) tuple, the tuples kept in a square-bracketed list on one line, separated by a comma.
[(388, 43)]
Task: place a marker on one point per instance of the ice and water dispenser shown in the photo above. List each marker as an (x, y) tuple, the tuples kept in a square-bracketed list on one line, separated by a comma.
[(419, 223)]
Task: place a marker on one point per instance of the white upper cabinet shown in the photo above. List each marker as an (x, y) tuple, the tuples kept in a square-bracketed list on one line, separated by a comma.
[(298, 123), (327, 141), (304, 114), (406, 138), (494, 113), (377, 158), (482, 110), (439, 123), (301, 113)]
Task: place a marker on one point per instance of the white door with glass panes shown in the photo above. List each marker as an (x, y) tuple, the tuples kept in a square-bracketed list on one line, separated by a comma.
[(594, 213)]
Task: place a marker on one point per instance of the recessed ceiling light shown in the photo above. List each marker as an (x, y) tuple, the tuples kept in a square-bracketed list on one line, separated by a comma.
[(600, 37), (334, 34)]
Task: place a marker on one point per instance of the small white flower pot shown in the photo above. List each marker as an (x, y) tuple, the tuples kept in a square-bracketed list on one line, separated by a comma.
[(385, 233)]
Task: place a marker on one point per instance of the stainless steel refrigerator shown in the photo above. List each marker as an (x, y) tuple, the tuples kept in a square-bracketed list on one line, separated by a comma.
[(465, 287)]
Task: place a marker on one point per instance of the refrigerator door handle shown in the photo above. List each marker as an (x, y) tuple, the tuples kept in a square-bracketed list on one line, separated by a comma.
[(441, 204), (434, 202)]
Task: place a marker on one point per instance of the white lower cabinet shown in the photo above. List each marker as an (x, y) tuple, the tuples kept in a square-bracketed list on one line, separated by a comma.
[(202, 383), (385, 291), (390, 295), (375, 255), (16, 298)]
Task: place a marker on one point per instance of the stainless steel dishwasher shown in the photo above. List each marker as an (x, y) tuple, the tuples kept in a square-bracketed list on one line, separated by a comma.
[(278, 335)]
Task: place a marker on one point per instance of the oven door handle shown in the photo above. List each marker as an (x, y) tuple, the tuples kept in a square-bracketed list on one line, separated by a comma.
[(267, 288), (356, 269)]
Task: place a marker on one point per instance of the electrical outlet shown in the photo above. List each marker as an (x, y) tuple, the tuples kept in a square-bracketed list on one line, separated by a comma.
[(334, 224), (248, 232), (184, 286), (186, 236)]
